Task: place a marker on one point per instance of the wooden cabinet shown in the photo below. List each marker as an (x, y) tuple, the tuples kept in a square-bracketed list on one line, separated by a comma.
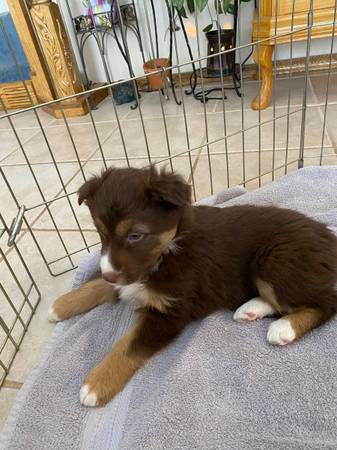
[(276, 26), (53, 69)]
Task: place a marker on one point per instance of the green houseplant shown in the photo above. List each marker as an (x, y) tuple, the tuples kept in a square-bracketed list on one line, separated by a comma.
[(220, 6)]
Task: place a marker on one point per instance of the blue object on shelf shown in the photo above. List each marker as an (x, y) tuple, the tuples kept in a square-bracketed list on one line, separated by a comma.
[(124, 93), (8, 69)]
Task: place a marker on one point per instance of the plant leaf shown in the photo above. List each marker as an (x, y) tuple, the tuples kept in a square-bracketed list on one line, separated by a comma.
[(182, 12), (208, 28), (178, 4), (226, 4), (190, 5), (230, 9), (201, 4)]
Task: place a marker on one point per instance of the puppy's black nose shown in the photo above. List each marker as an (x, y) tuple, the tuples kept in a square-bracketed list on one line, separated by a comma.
[(111, 277)]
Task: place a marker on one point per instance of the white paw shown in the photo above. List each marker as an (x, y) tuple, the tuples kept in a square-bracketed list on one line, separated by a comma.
[(252, 310), (87, 398), (52, 316), (281, 332)]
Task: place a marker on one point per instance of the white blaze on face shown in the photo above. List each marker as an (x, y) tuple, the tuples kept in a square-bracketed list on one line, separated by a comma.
[(105, 263)]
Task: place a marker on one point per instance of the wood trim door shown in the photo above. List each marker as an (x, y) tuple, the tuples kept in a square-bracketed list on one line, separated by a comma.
[(39, 74)]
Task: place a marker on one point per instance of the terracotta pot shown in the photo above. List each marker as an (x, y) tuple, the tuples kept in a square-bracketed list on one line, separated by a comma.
[(157, 80)]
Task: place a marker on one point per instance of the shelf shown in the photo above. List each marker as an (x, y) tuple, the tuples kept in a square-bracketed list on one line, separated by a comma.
[(84, 23)]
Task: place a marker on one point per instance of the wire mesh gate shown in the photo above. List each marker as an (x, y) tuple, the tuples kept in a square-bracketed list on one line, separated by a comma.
[(213, 145), (19, 297)]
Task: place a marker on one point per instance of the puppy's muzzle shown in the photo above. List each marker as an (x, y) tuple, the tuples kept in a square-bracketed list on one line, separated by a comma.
[(112, 277)]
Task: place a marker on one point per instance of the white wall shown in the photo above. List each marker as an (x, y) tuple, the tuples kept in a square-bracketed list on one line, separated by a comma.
[(117, 67), (3, 6)]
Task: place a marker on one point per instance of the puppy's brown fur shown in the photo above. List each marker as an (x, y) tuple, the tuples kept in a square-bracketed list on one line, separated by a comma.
[(88, 296), (179, 263)]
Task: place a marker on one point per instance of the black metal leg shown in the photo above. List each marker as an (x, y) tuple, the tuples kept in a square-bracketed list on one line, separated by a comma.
[(81, 50), (164, 93), (237, 84), (135, 106), (193, 83), (204, 96), (178, 102), (172, 24)]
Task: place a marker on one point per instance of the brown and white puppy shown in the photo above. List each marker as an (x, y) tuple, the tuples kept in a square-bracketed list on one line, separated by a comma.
[(177, 263)]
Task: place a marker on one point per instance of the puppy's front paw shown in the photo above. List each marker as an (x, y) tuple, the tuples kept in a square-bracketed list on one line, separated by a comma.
[(52, 315), (252, 310), (111, 375), (88, 397), (281, 332), (98, 388), (60, 309)]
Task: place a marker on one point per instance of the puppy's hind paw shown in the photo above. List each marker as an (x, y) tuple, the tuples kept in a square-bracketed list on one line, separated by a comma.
[(281, 332), (252, 310)]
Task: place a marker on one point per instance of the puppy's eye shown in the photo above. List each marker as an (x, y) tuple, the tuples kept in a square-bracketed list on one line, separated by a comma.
[(134, 237)]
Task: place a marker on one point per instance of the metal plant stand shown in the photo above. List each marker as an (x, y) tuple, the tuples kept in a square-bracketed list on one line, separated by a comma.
[(203, 95), (169, 80), (102, 25)]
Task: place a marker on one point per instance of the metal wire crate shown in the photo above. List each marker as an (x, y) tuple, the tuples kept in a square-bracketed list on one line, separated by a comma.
[(19, 297), (213, 145)]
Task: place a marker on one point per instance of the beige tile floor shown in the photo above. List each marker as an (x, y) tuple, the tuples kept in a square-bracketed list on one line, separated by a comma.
[(62, 155)]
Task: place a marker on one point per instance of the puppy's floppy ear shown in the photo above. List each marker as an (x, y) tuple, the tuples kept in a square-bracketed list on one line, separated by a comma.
[(169, 188), (88, 189)]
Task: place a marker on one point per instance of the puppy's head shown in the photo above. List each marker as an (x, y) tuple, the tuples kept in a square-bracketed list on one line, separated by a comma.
[(137, 214)]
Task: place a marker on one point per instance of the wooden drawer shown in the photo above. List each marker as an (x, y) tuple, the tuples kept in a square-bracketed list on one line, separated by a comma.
[(286, 6)]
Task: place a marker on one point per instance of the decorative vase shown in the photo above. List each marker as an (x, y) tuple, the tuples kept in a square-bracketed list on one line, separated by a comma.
[(214, 46)]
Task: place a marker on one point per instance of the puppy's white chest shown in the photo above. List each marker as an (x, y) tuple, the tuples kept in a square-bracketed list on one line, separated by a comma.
[(135, 293), (140, 296)]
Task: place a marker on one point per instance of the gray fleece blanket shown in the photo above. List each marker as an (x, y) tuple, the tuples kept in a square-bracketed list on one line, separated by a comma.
[(219, 386)]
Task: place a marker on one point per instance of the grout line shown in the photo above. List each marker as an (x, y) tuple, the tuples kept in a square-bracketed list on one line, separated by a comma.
[(125, 118), (50, 125), (66, 184), (121, 117), (103, 141), (10, 384), (159, 157), (57, 122), (52, 121), (215, 105), (197, 157), (228, 111), (18, 147), (321, 114), (25, 128), (77, 124)]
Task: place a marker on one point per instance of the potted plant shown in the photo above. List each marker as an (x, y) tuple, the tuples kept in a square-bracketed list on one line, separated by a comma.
[(157, 80), (219, 39), (220, 6), (102, 12)]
